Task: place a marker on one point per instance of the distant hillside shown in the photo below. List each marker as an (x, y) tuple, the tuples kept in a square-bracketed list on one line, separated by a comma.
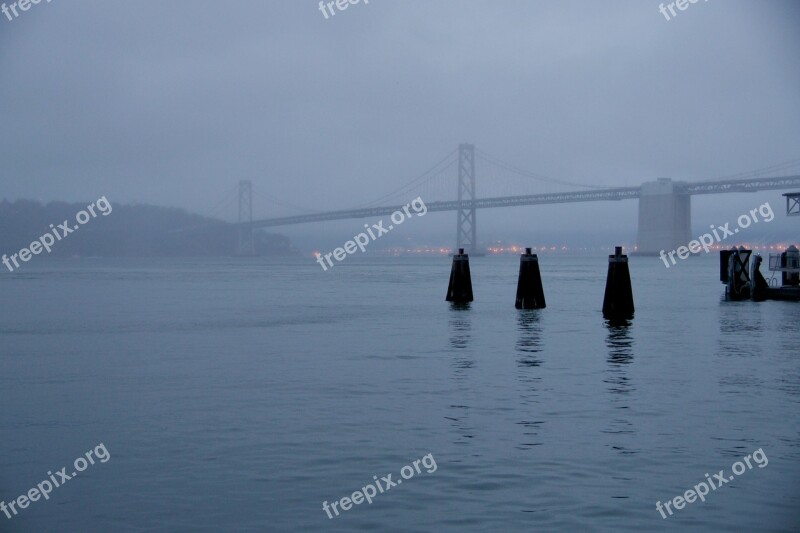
[(128, 230)]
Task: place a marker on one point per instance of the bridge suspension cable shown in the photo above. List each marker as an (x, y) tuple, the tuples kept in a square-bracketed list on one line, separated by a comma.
[(426, 177), (222, 207), (778, 167), (532, 175)]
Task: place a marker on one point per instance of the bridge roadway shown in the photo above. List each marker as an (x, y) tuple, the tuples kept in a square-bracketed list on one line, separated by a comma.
[(598, 195)]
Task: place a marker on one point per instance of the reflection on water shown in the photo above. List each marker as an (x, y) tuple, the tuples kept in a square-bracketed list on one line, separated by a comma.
[(459, 421), (534, 420), (460, 326), (620, 354), (740, 316), (788, 350), (741, 328), (463, 362), (529, 344)]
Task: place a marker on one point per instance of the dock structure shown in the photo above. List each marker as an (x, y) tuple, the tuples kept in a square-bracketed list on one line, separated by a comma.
[(744, 281), (734, 268)]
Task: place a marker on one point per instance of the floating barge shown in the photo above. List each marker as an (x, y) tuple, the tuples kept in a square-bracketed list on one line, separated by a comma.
[(743, 279)]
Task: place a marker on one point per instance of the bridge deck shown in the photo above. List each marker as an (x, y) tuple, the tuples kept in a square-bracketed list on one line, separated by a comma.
[(600, 195)]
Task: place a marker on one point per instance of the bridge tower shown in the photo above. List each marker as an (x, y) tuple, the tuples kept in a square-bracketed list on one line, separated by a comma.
[(665, 216), (466, 224), (245, 245)]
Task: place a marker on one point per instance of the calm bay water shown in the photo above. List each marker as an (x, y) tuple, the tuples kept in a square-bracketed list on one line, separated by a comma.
[(238, 395)]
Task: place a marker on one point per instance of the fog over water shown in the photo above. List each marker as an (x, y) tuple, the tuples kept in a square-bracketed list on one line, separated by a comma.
[(173, 104)]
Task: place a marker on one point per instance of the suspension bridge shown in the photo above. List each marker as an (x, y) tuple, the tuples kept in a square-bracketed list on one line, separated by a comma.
[(664, 220)]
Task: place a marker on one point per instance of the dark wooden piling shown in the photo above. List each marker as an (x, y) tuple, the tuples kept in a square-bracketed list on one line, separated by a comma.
[(530, 294), (460, 288), (724, 259), (737, 281), (618, 300)]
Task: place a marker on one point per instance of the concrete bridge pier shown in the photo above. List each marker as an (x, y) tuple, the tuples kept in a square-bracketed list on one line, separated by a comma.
[(665, 216)]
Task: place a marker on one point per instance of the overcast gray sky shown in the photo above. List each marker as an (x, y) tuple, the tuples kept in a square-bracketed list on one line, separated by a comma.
[(173, 102)]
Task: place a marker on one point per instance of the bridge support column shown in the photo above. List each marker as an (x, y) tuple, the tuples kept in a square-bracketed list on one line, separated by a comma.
[(665, 217), (466, 224), (245, 244)]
